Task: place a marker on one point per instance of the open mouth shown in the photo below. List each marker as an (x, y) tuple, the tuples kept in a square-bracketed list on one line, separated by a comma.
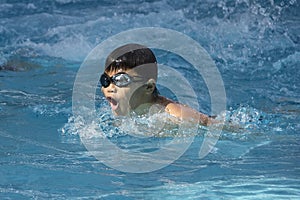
[(113, 103)]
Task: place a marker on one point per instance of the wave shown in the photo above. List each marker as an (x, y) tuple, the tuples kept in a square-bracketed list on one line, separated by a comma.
[(232, 31)]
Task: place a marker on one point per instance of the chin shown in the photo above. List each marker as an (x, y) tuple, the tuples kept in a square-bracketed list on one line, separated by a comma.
[(115, 113), (119, 113)]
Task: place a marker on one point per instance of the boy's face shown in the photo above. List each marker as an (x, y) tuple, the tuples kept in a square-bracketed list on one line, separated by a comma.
[(124, 99)]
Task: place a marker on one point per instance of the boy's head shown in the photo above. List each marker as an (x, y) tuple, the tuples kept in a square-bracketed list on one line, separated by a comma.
[(129, 79), (130, 56)]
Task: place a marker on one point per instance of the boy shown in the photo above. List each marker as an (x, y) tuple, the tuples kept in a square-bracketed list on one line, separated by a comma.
[(129, 84)]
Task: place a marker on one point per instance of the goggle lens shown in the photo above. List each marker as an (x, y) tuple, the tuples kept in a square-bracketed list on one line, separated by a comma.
[(120, 80)]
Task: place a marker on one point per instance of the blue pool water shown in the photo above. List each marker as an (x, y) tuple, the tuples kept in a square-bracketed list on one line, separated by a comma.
[(255, 45)]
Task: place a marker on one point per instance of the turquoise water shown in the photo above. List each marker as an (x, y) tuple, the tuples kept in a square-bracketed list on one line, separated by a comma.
[(255, 45)]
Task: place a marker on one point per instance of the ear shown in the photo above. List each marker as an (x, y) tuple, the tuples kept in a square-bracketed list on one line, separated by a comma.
[(150, 86)]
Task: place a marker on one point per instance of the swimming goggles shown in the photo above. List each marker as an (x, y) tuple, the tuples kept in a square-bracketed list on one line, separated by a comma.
[(120, 79)]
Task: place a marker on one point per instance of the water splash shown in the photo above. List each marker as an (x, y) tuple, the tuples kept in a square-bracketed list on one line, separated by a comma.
[(247, 116), (248, 120)]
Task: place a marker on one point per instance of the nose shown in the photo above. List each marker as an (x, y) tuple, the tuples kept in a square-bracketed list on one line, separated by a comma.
[(111, 88)]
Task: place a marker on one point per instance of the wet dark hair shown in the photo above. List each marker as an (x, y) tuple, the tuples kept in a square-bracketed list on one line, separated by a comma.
[(130, 56)]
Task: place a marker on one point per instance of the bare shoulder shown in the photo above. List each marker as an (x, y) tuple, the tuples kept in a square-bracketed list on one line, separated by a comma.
[(187, 113), (184, 112)]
